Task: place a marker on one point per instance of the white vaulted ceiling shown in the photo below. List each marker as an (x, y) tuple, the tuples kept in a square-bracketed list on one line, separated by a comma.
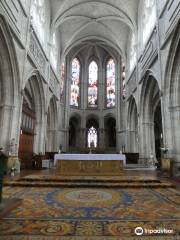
[(109, 22)]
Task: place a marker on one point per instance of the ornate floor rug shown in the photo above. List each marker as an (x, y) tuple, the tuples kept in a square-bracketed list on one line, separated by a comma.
[(90, 213), (107, 229)]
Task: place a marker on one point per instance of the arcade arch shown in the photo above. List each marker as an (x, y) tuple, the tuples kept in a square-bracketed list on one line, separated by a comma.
[(92, 132), (32, 139), (110, 132), (150, 98), (74, 131), (10, 96)]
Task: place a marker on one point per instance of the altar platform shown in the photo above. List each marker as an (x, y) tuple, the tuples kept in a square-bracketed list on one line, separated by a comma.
[(90, 164)]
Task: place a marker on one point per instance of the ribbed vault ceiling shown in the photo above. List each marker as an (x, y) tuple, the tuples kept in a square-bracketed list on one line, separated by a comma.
[(108, 22)]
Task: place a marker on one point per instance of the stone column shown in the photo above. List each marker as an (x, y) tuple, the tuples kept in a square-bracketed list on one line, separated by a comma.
[(101, 87), (85, 86), (3, 159), (147, 145), (1, 176), (52, 140), (102, 138), (40, 128), (173, 143), (82, 138), (101, 133), (6, 125), (132, 141)]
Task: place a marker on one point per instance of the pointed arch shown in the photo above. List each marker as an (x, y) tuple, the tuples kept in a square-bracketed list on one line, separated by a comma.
[(9, 86), (150, 98), (172, 84), (36, 89), (110, 131), (74, 133), (149, 94), (172, 100), (92, 131), (104, 42)]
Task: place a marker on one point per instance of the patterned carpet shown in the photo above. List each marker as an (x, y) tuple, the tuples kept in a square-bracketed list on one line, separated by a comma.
[(96, 204), (86, 229), (90, 213)]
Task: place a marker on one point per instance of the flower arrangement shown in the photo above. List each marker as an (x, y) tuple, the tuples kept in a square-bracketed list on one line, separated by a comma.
[(164, 149), (12, 171)]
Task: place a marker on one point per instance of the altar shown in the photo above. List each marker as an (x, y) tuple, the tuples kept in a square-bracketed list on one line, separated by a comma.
[(90, 164)]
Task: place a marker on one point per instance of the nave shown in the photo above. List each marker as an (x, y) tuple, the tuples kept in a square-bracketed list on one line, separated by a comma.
[(89, 77)]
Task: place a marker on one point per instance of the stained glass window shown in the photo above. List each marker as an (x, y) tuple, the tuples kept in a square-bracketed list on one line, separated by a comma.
[(110, 83), (123, 82), (93, 85), (75, 81), (92, 137), (62, 83)]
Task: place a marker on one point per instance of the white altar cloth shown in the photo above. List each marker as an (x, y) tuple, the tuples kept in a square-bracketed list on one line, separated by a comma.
[(86, 157)]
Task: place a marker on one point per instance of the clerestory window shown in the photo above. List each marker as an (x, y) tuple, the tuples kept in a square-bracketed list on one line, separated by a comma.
[(149, 18), (38, 18)]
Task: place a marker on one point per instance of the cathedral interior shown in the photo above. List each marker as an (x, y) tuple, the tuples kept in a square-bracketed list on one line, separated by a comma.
[(89, 119)]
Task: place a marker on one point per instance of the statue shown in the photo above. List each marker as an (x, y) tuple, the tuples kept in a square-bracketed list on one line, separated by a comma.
[(12, 147), (13, 162), (153, 160)]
